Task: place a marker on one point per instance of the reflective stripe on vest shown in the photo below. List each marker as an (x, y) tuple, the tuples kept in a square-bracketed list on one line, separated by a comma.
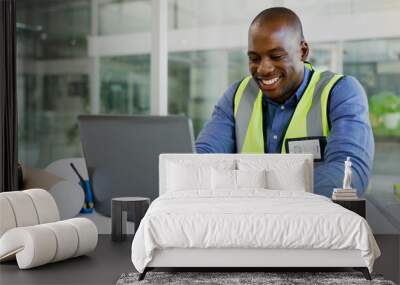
[(309, 119)]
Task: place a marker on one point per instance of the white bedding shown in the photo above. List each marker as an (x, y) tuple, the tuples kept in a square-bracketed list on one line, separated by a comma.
[(251, 218)]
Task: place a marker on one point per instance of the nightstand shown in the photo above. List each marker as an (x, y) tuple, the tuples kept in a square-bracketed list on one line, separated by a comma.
[(355, 205)]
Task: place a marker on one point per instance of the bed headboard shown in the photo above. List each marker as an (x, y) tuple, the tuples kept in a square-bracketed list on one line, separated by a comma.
[(272, 160)]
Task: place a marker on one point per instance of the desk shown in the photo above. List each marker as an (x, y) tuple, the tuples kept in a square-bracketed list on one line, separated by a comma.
[(102, 266)]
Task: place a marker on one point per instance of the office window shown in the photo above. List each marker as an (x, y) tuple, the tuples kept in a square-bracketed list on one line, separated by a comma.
[(376, 64), (52, 78), (124, 17), (198, 79), (125, 84), (56, 80)]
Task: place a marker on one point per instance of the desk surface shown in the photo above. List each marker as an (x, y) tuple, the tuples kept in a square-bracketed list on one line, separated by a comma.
[(102, 266)]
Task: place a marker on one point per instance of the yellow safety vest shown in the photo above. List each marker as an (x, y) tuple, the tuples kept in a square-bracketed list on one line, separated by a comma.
[(310, 119)]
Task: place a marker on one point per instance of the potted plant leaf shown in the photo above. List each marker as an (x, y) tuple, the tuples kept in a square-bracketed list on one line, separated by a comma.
[(385, 107)]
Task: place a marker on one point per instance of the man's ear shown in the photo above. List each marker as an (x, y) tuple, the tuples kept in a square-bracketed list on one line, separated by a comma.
[(304, 50)]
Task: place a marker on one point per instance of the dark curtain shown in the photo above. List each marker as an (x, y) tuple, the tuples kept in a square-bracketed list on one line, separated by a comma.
[(8, 100)]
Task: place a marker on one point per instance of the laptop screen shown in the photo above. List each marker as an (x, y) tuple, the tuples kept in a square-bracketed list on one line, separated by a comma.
[(121, 153)]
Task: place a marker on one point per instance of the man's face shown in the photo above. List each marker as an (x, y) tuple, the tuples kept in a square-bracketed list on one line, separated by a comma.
[(276, 55)]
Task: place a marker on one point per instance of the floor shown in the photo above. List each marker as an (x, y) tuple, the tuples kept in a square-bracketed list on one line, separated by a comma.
[(103, 266), (110, 259)]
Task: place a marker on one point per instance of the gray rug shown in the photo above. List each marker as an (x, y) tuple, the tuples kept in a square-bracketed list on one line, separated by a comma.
[(228, 278)]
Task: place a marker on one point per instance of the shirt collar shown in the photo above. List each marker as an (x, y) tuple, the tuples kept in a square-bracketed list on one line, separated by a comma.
[(293, 100)]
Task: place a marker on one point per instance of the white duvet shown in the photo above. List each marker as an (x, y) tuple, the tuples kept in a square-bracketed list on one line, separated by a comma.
[(250, 219)]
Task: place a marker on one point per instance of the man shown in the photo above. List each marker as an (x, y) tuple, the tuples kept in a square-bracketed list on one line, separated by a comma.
[(285, 105)]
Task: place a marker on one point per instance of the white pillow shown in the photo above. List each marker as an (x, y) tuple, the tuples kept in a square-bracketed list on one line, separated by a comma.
[(251, 178), (181, 177), (291, 180), (189, 175), (282, 174), (227, 179), (223, 179)]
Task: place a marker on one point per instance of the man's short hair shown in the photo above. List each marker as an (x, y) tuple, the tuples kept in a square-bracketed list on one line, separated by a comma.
[(281, 14)]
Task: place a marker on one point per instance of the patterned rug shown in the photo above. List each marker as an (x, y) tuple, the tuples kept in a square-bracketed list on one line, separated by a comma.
[(273, 278)]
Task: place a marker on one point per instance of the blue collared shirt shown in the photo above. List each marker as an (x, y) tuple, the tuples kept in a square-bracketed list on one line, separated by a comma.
[(350, 135)]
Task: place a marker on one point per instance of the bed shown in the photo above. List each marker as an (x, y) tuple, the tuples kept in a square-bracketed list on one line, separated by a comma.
[(246, 211)]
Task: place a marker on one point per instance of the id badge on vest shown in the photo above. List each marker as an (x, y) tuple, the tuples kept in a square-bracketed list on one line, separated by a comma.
[(313, 145)]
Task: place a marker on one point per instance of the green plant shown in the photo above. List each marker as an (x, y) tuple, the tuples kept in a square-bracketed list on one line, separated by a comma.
[(384, 102)]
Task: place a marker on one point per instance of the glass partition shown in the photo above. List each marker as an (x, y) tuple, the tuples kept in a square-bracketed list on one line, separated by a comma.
[(376, 63), (55, 75), (197, 79), (125, 84), (124, 17), (52, 78)]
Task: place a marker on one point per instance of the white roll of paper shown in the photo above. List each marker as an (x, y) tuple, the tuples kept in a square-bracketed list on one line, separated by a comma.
[(7, 217), (23, 207), (45, 205), (69, 198), (67, 240), (87, 233)]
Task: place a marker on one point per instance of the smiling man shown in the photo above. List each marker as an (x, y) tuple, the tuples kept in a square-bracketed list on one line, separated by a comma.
[(286, 106)]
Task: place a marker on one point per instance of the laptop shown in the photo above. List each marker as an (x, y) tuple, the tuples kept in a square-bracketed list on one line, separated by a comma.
[(121, 153)]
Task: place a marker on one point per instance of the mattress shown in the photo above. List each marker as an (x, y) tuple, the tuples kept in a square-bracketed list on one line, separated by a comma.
[(250, 219)]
